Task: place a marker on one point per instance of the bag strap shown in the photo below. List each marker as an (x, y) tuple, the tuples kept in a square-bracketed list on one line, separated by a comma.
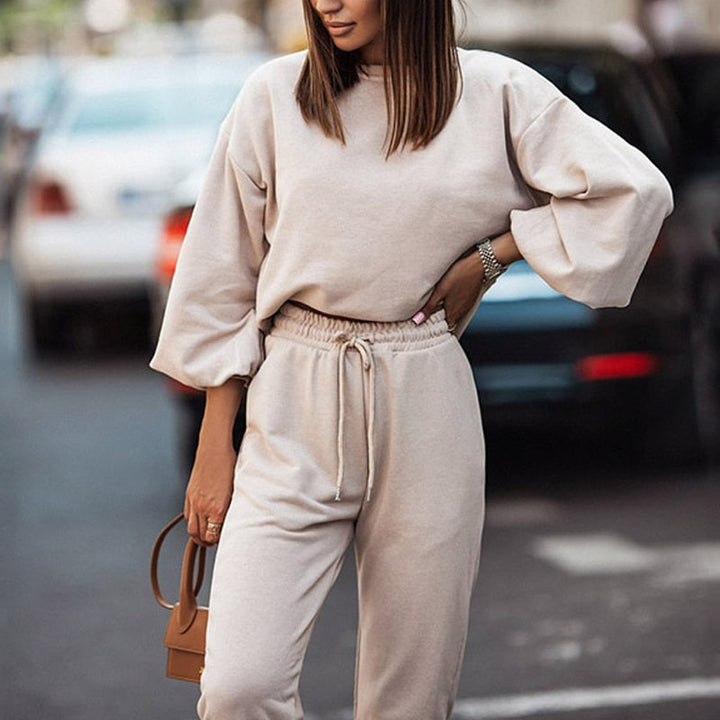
[(187, 601), (187, 589)]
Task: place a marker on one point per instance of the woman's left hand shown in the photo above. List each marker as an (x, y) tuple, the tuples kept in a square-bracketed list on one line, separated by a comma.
[(460, 286), (456, 291)]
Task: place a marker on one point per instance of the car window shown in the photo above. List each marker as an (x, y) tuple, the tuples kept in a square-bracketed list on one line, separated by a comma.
[(611, 90), (581, 83), (697, 80), (593, 89), (149, 109)]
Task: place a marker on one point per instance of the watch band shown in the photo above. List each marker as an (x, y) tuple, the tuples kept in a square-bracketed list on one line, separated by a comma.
[(491, 266)]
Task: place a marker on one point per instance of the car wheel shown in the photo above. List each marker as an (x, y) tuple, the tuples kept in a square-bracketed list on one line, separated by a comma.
[(42, 327), (705, 361), (682, 416)]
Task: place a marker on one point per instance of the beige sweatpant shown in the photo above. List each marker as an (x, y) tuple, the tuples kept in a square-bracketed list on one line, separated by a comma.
[(355, 431)]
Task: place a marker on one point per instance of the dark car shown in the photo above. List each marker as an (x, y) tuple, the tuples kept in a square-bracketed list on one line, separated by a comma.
[(638, 377), (644, 378), (696, 80), (696, 101)]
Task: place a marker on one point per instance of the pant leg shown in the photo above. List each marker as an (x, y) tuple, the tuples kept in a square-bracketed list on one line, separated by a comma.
[(283, 539), (418, 540)]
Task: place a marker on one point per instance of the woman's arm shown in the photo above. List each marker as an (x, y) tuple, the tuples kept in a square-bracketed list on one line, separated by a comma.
[(604, 200), (458, 289), (210, 487), (210, 336), (506, 249), (210, 330)]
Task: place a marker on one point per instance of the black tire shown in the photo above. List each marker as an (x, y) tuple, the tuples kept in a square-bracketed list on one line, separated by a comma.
[(43, 327), (705, 361), (682, 416)]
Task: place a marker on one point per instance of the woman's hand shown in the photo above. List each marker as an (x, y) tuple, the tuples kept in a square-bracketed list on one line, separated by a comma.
[(456, 291), (209, 491), (211, 481), (459, 287)]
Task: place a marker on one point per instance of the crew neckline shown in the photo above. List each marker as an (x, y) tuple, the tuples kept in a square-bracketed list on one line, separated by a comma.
[(376, 70)]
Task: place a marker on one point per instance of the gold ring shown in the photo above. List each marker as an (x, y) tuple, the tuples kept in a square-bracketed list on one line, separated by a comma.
[(213, 528)]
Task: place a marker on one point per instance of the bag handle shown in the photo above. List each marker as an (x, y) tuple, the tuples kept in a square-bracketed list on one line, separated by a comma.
[(188, 591)]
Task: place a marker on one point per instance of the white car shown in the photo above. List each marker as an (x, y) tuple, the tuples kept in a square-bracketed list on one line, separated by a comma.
[(127, 131)]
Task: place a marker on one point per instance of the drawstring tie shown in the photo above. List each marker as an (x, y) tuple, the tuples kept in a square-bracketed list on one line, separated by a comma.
[(362, 345)]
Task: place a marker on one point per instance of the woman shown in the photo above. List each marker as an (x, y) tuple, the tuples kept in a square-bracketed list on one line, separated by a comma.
[(330, 263)]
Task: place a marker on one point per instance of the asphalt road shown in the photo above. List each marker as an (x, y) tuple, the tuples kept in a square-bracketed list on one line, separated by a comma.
[(598, 595)]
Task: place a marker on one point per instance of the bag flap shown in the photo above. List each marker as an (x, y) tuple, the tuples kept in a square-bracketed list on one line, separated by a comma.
[(192, 639)]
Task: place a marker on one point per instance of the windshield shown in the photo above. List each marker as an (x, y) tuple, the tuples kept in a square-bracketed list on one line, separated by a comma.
[(147, 109)]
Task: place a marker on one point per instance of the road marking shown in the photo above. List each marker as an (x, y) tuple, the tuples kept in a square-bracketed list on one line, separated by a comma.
[(605, 553), (574, 699), (593, 554), (689, 564)]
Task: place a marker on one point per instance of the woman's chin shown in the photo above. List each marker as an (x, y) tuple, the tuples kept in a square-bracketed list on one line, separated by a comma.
[(345, 44)]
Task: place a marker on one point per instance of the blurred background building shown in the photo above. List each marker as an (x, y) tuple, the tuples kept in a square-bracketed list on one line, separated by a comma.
[(72, 25)]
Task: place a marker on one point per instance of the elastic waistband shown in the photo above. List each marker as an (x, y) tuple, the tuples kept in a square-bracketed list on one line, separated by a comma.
[(292, 321)]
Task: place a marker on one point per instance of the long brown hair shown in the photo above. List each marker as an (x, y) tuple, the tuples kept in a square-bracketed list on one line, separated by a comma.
[(422, 72)]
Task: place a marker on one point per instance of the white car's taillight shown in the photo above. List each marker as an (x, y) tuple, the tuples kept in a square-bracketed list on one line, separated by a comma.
[(48, 197), (175, 225)]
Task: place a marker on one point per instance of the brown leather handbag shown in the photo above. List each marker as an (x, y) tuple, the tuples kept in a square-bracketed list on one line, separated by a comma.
[(185, 634)]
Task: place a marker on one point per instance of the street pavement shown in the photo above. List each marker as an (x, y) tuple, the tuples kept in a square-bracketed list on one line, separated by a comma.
[(598, 594)]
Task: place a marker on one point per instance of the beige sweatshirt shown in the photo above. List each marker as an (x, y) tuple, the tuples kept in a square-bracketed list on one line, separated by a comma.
[(286, 213)]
